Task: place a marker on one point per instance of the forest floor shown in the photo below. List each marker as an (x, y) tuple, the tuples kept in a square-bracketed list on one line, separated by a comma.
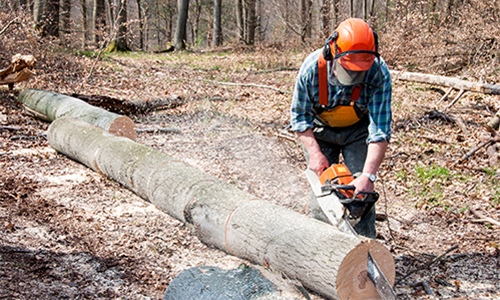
[(68, 232)]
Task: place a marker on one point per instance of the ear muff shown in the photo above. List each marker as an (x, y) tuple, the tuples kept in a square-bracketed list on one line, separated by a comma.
[(327, 51)]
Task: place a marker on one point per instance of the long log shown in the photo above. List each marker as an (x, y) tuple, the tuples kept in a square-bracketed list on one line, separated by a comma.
[(53, 106), (447, 81), (324, 259)]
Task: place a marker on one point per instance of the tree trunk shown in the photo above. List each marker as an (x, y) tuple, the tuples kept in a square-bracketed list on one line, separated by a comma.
[(306, 18), (83, 5), (52, 106), (447, 81), (250, 22), (180, 31), (217, 36), (121, 24), (99, 16), (65, 16), (357, 9), (140, 17), (46, 16), (324, 259), (239, 20), (325, 17)]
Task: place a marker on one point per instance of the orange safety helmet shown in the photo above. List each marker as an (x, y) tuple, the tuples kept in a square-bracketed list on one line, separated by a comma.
[(354, 44)]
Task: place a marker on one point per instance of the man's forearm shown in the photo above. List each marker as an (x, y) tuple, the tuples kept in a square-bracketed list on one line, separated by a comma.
[(375, 156), (309, 141), (317, 161)]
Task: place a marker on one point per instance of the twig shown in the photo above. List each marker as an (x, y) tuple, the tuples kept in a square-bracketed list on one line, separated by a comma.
[(430, 263), (387, 211), (33, 113), (8, 25), (455, 100), (415, 251), (474, 150), (250, 84), (276, 70), (445, 96), (435, 140), (397, 154), (10, 128), (159, 129), (483, 218)]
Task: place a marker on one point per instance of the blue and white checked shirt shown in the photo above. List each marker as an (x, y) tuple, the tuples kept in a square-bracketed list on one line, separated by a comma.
[(377, 100)]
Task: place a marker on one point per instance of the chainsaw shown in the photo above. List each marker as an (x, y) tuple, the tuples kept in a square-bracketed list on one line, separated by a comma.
[(337, 198), (344, 208)]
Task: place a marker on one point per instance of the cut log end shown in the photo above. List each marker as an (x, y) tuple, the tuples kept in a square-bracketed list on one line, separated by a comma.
[(123, 126), (352, 277)]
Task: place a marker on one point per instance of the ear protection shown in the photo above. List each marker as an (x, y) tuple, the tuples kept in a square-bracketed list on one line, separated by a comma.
[(327, 51)]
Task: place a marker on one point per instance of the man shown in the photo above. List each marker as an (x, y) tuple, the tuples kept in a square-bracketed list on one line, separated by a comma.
[(342, 104)]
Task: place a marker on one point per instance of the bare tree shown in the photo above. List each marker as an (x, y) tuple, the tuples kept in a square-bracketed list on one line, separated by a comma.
[(217, 36), (121, 24), (83, 6), (140, 17), (99, 19), (240, 21), (65, 16), (46, 16), (306, 18), (180, 31), (325, 17), (250, 22)]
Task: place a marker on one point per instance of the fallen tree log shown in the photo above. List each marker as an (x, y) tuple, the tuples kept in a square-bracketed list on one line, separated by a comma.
[(322, 258), (50, 106), (447, 81)]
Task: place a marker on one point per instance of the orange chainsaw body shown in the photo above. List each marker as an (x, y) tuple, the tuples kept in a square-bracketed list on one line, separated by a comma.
[(338, 174)]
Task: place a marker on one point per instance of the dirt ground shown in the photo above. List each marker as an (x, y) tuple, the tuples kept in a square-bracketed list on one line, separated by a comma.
[(67, 232)]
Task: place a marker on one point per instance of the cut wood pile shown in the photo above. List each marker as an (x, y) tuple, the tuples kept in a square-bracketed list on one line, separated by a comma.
[(21, 68)]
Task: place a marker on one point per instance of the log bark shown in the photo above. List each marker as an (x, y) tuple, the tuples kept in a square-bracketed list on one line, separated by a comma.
[(447, 81), (54, 106), (324, 259)]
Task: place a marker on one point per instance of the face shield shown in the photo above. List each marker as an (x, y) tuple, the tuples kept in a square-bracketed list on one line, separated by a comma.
[(349, 68)]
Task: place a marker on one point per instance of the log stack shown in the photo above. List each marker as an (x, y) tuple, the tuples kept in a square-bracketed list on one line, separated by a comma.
[(322, 258)]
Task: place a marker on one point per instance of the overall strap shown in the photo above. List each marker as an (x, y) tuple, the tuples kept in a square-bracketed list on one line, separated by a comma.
[(323, 82), (356, 91)]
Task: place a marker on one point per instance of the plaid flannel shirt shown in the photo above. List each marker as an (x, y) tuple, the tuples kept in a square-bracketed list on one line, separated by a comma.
[(377, 100)]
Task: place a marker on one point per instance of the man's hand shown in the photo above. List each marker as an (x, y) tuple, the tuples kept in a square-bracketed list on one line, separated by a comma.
[(363, 184), (318, 163)]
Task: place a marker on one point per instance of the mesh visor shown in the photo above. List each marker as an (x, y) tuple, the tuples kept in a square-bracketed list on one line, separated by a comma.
[(350, 67)]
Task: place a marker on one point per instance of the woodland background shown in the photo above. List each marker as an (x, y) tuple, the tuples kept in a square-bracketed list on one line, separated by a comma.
[(446, 37), (69, 232)]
